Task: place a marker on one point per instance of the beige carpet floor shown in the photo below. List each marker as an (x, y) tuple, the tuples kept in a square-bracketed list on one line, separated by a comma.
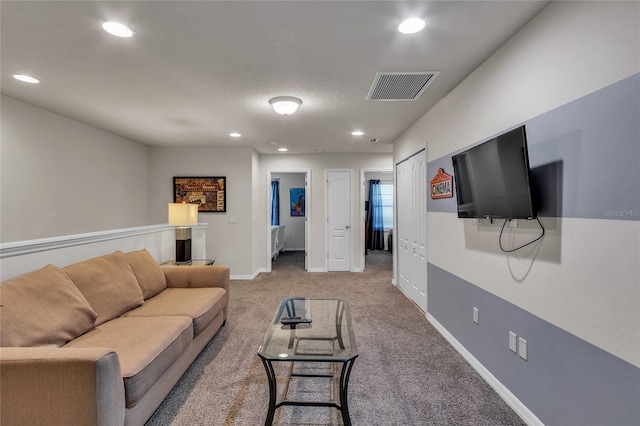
[(406, 374)]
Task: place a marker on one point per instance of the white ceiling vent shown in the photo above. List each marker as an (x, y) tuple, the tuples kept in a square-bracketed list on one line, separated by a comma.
[(400, 86)]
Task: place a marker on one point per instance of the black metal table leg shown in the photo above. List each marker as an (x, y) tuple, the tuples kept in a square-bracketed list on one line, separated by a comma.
[(339, 313), (344, 389), (271, 376)]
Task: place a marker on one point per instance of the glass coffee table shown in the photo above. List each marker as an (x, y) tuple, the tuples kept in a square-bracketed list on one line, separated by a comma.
[(306, 330)]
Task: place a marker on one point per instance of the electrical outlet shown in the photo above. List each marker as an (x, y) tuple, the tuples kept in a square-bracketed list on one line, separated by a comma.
[(513, 342), (475, 315), (522, 348), (513, 223), (232, 219)]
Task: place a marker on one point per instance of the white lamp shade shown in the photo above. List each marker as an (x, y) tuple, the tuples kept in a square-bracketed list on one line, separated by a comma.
[(285, 105), (183, 214)]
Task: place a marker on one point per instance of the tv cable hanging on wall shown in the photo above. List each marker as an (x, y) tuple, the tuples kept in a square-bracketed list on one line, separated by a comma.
[(522, 246)]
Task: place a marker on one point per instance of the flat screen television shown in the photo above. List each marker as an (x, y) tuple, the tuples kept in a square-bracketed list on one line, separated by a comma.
[(492, 179)]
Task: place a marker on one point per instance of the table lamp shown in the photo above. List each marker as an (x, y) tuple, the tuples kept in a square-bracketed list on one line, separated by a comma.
[(183, 216)]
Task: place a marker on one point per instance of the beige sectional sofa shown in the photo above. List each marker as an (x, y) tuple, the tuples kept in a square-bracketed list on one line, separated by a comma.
[(103, 341)]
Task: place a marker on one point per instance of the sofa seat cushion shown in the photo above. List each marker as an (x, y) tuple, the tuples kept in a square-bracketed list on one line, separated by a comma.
[(202, 305), (42, 308), (146, 348), (108, 283)]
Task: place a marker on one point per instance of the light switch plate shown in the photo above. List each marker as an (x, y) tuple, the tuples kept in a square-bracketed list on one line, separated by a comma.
[(513, 342), (475, 315), (522, 348)]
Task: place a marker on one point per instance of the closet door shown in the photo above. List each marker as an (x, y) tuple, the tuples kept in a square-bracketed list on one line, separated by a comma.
[(411, 179)]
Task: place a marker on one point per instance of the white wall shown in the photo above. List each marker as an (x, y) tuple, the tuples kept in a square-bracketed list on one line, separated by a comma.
[(568, 51), (79, 178), (294, 225), (228, 243), (59, 176), (318, 163)]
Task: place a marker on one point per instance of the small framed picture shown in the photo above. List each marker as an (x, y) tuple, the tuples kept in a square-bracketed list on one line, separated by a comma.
[(296, 196)]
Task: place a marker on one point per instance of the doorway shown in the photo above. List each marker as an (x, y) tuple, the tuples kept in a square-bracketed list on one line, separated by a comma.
[(377, 243), (288, 239)]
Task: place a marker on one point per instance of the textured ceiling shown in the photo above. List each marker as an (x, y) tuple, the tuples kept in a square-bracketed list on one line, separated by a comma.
[(197, 70)]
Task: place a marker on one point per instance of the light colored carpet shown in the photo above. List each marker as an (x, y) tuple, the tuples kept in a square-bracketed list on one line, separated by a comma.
[(406, 374)]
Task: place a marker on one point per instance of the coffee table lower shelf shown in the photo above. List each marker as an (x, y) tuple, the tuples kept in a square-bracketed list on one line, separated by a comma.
[(326, 338), (343, 406)]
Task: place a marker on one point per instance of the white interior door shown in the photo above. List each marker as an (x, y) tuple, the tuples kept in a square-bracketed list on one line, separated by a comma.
[(403, 209), (411, 178), (339, 201)]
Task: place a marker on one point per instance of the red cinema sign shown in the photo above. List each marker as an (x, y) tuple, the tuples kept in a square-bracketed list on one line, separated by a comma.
[(441, 185)]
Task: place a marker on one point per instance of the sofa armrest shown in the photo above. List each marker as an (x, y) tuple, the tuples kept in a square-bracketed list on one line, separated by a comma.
[(199, 276), (65, 386)]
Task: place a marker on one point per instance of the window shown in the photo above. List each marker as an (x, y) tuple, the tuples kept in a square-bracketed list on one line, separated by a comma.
[(386, 190)]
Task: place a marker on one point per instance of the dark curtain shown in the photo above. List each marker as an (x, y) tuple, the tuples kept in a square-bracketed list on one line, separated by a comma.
[(375, 225), (275, 203)]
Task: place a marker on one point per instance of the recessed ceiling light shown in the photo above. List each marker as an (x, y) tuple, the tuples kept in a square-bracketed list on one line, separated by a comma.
[(283, 149), (117, 29), (26, 78), (357, 133), (411, 25), (235, 135)]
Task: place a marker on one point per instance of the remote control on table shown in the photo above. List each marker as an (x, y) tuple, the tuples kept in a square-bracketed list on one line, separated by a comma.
[(294, 320)]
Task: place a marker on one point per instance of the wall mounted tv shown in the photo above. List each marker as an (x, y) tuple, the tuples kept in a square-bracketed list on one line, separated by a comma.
[(492, 178)]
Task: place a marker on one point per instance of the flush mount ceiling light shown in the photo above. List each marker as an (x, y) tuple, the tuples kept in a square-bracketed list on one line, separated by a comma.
[(117, 29), (283, 149), (235, 135), (357, 133), (411, 25), (285, 105), (26, 78)]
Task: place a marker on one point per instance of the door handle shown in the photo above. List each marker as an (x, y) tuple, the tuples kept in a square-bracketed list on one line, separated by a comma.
[(347, 227)]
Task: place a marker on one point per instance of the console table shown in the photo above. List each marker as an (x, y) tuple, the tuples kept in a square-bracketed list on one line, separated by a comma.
[(192, 262)]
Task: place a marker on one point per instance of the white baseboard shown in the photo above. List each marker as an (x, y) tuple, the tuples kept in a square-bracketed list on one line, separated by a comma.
[(521, 410), (248, 277), (317, 270)]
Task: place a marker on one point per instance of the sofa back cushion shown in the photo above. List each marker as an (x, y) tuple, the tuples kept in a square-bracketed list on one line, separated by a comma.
[(43, 307), (108, 283), (149, 274)]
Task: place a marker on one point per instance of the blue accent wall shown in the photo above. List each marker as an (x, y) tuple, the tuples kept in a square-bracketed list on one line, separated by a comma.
[(565, 380), (584, 157)]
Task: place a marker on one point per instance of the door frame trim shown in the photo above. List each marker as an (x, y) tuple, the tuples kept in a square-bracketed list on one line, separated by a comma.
[(363, 193), (307, 202)]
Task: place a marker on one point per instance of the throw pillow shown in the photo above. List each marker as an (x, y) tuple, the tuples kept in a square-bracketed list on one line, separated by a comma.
[(43, 307), (108, 284), (148, 272)]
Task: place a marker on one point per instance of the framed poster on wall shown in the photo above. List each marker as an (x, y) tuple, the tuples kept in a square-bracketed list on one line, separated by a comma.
[(296, 196), (209, 193)]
